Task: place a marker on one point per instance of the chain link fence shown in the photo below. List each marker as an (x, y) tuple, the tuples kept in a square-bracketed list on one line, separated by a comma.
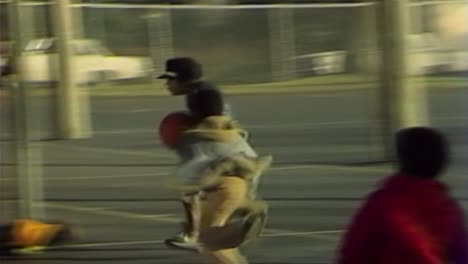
[(255, 44), (237, 44), (240, 44)]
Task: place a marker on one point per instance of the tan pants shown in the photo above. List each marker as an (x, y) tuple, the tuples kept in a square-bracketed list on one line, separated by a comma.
[(221, 241)]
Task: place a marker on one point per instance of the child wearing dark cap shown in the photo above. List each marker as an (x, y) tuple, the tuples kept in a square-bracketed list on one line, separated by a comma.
[(183, 76)]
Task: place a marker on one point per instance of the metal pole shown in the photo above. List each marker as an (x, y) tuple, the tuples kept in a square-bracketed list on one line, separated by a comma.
[(24, 171), (403, 104), (73, 102)]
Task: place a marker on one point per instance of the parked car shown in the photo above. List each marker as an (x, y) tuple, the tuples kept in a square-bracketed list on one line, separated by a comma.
[(92, 62), (426, 55), (320, 63)]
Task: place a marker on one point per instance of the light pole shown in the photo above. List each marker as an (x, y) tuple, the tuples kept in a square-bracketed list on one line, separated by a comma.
[(27, 170)]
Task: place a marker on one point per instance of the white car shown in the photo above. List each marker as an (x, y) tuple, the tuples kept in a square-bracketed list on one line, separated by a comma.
[(92, 62), (321, 63), (426, 55)]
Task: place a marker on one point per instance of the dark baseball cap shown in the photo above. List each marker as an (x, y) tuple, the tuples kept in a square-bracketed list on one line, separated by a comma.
[(182, 69)]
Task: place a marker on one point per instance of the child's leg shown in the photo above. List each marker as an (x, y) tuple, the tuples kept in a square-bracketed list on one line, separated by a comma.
[(226, 256), (191, 205), (188, 226), (217, 208), (195, 215), (188, 239)]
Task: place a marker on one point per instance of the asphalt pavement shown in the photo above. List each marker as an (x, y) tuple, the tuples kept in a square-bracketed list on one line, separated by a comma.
[(328, 156)]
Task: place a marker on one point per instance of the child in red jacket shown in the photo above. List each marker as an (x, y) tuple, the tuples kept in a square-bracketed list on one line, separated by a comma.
[(410, 218)]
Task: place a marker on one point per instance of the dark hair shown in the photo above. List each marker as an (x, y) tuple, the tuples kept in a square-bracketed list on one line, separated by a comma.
[(422, 152), (205, 102)]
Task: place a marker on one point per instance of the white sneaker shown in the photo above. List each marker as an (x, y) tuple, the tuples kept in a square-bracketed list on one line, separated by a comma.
[(180, 237), (183, 241)]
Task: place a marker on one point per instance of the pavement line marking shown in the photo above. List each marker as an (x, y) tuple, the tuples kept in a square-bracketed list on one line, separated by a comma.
[(304, 124), (124, 131), (328, 237), (278, 168), (108, 244), (334, 167), (167, 218), (109, 176), (159, 241), (313, 124), (281, 233), (142, 110), (56, 178), (113, 151)]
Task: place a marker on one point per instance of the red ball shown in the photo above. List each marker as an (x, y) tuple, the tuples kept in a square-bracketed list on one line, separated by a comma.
[(173, 126)]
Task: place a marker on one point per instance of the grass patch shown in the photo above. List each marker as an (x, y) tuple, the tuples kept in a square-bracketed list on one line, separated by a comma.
[(339, 82)]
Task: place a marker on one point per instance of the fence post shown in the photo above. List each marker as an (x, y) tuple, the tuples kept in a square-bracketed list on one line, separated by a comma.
[(72, 100), (282, 43), (402, 103), (27, 177)]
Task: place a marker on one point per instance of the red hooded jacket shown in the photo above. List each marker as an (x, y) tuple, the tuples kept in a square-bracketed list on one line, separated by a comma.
[(407, 221)]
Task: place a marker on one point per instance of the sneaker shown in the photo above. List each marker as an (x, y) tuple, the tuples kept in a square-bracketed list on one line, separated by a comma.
[(180, 237), (254, 225), (183, 241)]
